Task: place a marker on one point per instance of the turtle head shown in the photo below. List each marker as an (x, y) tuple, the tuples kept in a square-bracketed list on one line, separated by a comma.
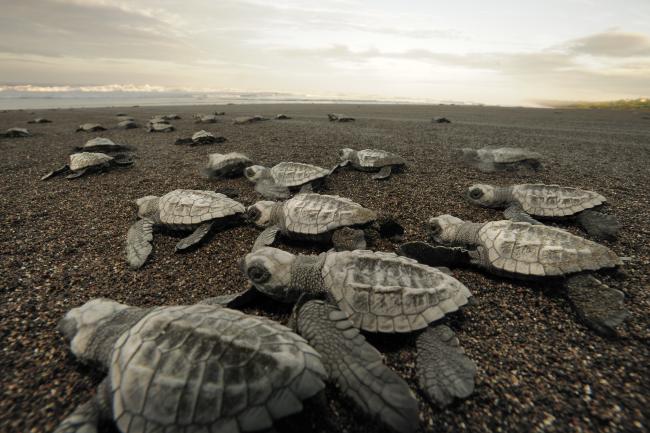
[(443, 228), (147, 205), (260, 213), (80, 324), (465, 154), (482, 195), (269, 269), (345, 154), (254, 172)]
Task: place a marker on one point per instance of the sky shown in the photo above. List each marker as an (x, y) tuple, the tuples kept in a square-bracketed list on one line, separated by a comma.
[(507, 52)]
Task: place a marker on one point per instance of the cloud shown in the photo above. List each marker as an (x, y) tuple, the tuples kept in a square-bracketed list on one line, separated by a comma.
[(612, 44)]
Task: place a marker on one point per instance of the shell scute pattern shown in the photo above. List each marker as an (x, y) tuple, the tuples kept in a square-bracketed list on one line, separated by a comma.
[(375, 158), (188, 207), (541, 250), (505, 155), (388, 293), (555, 200), (318, 213), (205, 367), (82, 160), (295, 173), (218, 161)]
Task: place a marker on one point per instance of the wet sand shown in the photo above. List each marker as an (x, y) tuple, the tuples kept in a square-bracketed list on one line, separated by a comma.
[(539, 369)]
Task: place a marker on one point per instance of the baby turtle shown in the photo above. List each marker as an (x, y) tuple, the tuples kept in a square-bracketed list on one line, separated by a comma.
[(89, 162), (371, 160), (277, 181), (226, 165), (440, 120), (337, 117), (90, 127), (101, 144), (188, 368), (282, 117), (377, 292), (39, 120), (124, 117), (159, 127), (490, 159), (243, 120), (15, 133), (529, 251), (219, 113), (127, 124), (316, 217), (205, 118), (182, 210), (524, 201), (201, 137)]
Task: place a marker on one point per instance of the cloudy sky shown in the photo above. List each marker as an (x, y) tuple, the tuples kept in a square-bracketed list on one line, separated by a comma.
[(495, 52)]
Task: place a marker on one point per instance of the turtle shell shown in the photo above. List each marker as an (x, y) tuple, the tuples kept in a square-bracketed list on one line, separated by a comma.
[(207, 368), (539, 250), (319, 213), (228, 162), (83, 160), (186, 207), (91, 127), (388, 293), (101, 142), (296, 173), (376, 158), (160, 127), (506, 155), (17, 132), (555, 200)]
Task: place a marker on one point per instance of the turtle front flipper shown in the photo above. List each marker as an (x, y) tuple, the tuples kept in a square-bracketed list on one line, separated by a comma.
[(87, 416), (357, 367), (138, 243), (436, 255), (598, 305), (235, 300), (266, 238), (58, 171), (383, 173), (517, 214), (269, 190), (307, 188), (598, 224), (349, 239), (196, 236), (122, 159), (444, 371), (76, 174)]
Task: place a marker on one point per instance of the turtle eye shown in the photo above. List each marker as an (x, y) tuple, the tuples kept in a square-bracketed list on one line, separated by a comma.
[(258, 274), (253, 213), (248, 172), (476, 193)]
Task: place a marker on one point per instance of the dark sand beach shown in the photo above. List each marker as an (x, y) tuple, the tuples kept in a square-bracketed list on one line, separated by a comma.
[(539, 368)]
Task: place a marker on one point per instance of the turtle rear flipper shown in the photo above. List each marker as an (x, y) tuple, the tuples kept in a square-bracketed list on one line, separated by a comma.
[(236, 300), (87, 416), (122, 159), (138, 243), (444, 371), (195, 237), (383, 173), (357, 367), (516, 213), (56, 172), (76, 174), (266, 238), (436, 255), (598, 224), (598, 305), (271, 191)]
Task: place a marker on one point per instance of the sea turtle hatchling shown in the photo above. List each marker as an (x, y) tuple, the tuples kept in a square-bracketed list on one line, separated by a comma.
[(377, 160), (182, 209), (201, 137), (282, 117), (243, 120), (338, 117), (440, 120), (277, 182), (529, 251), (200, 368), (316, 217), (491, 159), (222, 165), (90, 127), (159, 127), (205, 118), (524, 201), (101, 144), (127, 124), (15, 133), (376, 292), (39, 120), (89, 162)]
